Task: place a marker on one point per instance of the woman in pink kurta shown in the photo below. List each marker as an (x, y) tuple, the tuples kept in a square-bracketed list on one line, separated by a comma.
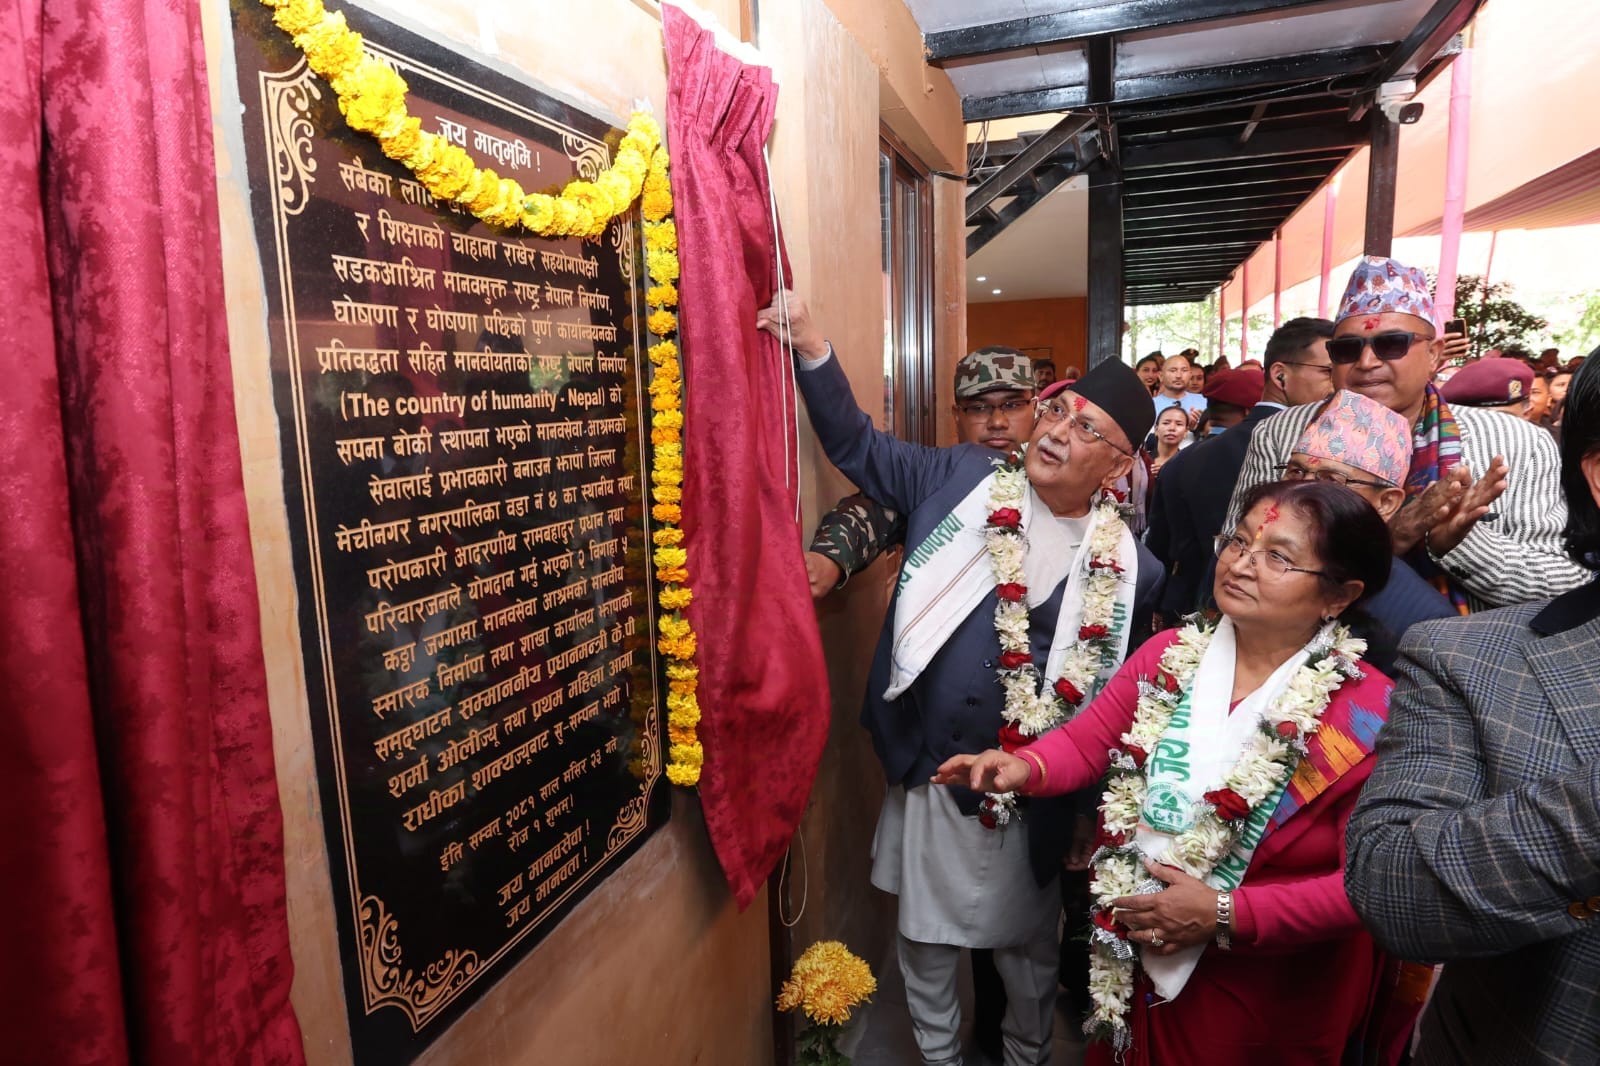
[(1299, 981)]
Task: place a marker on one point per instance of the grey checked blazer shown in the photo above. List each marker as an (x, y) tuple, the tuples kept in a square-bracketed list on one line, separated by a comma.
[(1527, 535), (1477, 840)]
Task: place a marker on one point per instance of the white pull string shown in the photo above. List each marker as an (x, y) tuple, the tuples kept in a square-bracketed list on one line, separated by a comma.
[(786, 342)]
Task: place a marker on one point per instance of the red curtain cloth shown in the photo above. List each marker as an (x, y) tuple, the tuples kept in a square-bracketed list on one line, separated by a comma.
[(141, 846), (763, 686)]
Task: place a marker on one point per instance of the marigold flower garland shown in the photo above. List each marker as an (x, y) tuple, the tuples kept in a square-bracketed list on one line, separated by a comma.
[(1269, 759), (676, 637), (827, 981), (1028, 711), (372, 99)]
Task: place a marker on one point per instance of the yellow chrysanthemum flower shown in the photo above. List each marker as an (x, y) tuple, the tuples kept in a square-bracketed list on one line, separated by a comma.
[(662, 323), (662, 295), (663, 352), (683, 776), (663, 266), (667, 537), (827, 983), (675, 598)]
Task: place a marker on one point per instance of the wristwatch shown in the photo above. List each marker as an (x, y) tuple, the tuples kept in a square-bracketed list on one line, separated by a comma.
[(1225, 920)]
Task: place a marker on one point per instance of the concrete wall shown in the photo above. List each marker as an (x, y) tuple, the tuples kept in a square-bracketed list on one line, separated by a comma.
[(657, 964), (1061, 325)]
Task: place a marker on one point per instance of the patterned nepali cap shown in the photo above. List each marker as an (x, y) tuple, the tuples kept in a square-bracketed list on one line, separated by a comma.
[(1379, 284), (989, 369), (1362, 433)]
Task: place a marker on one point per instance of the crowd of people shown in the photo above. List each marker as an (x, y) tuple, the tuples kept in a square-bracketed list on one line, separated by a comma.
[(1275, 683)]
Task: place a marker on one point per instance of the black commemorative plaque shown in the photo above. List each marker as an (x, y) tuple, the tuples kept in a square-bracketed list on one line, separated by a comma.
[(461, 422)]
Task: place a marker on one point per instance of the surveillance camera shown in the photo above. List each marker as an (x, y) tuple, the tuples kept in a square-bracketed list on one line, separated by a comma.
[(1404, 113)]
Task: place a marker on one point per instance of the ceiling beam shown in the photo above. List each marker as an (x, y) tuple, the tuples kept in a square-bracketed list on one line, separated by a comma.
[(1209, 219), (1444, 20), (1045, 182), (1183, 208), (1258, 178), (1233, 78), (1337, 137), (1126, 16), (1026, 161), (1238, 238)]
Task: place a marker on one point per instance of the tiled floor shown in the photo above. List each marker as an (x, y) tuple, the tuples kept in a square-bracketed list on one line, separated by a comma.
[(883, 1037)]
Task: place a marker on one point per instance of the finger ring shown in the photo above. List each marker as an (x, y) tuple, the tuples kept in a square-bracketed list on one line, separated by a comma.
[(1155, 941)]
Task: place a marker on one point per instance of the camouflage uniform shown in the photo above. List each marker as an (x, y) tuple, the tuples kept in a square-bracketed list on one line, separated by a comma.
[(858, 529), (856, 532)]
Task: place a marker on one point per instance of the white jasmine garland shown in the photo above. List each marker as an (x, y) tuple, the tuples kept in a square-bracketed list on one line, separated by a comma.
[(1268, 758), (1032, 703)]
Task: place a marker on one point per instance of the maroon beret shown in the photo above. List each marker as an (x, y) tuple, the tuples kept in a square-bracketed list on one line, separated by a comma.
[(1489, 383), (1240, 388)]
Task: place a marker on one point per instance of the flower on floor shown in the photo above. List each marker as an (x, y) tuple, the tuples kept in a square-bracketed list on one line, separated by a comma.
[(827, 982)]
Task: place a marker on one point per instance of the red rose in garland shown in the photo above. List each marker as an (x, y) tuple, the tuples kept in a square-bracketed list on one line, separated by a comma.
[(1012, 737), (1011, 592), (1229, 804), (1288, 730), (1093, 632), (1068, 691), (1138, 754), (1014, 660), (1006, 518)]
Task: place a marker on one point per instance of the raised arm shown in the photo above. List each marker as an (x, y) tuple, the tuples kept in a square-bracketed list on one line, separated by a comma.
[(893, 472), (1440, 869)]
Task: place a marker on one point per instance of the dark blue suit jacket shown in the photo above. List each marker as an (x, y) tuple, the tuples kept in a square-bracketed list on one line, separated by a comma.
[(1189, 505), (954, 706)]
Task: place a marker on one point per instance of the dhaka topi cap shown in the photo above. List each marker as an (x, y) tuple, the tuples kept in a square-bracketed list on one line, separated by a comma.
[(1239, 388), (1379, 285), (1489, 383), (991, 369), (1362, 433), (1117, 390)]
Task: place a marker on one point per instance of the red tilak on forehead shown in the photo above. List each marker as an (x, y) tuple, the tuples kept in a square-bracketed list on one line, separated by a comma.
[(1370, 324), (1270, 517), (1079, 403)]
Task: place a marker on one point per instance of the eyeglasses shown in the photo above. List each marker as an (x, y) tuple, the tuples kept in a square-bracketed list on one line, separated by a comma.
[(979, 409), (1324, 367), (1388, 346), (1296, 472), (1230, 545), (1052, 411)]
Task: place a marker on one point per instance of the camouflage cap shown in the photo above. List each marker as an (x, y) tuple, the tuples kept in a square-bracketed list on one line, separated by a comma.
[(989, 369)]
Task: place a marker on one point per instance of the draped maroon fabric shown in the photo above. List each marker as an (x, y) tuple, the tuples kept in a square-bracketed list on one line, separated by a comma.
[(763, 687), (141, 846)]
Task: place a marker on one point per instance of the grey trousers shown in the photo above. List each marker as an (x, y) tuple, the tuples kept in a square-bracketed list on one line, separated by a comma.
[(1029, 974)]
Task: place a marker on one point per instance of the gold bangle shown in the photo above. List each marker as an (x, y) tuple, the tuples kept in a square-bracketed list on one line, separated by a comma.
[(1044, 774)]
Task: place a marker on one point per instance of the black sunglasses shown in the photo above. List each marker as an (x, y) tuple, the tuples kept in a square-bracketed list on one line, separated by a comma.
[(1388, 346)]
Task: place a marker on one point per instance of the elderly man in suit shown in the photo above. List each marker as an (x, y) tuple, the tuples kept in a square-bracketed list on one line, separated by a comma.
[(1191, 497), (1466, 464), (1474, 842), (1019, 597)]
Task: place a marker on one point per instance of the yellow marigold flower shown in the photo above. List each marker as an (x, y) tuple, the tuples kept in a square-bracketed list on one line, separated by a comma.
[(673, 576), (682, 672), (675, 598), (427, 145), (662, 323), (670, 454), (538, 212), (656, 204), (683, 776), (663, 235), (683, 704), (403, 141), (295, 17), (507, 210), (669, 557), (588, 196), (667, 512), (614, 184), (690, 755), (663, 266), (448, 173), (372, 97), (663, 352), (667, 494), (662, 295), (673, 626), (645, 124), (669, 420), (332, 49), (666, 537), (664, 403), (659, 436)]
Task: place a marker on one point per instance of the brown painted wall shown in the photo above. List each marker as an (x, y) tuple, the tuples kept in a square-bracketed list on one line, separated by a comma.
[(657, 965), (1061, 325)]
